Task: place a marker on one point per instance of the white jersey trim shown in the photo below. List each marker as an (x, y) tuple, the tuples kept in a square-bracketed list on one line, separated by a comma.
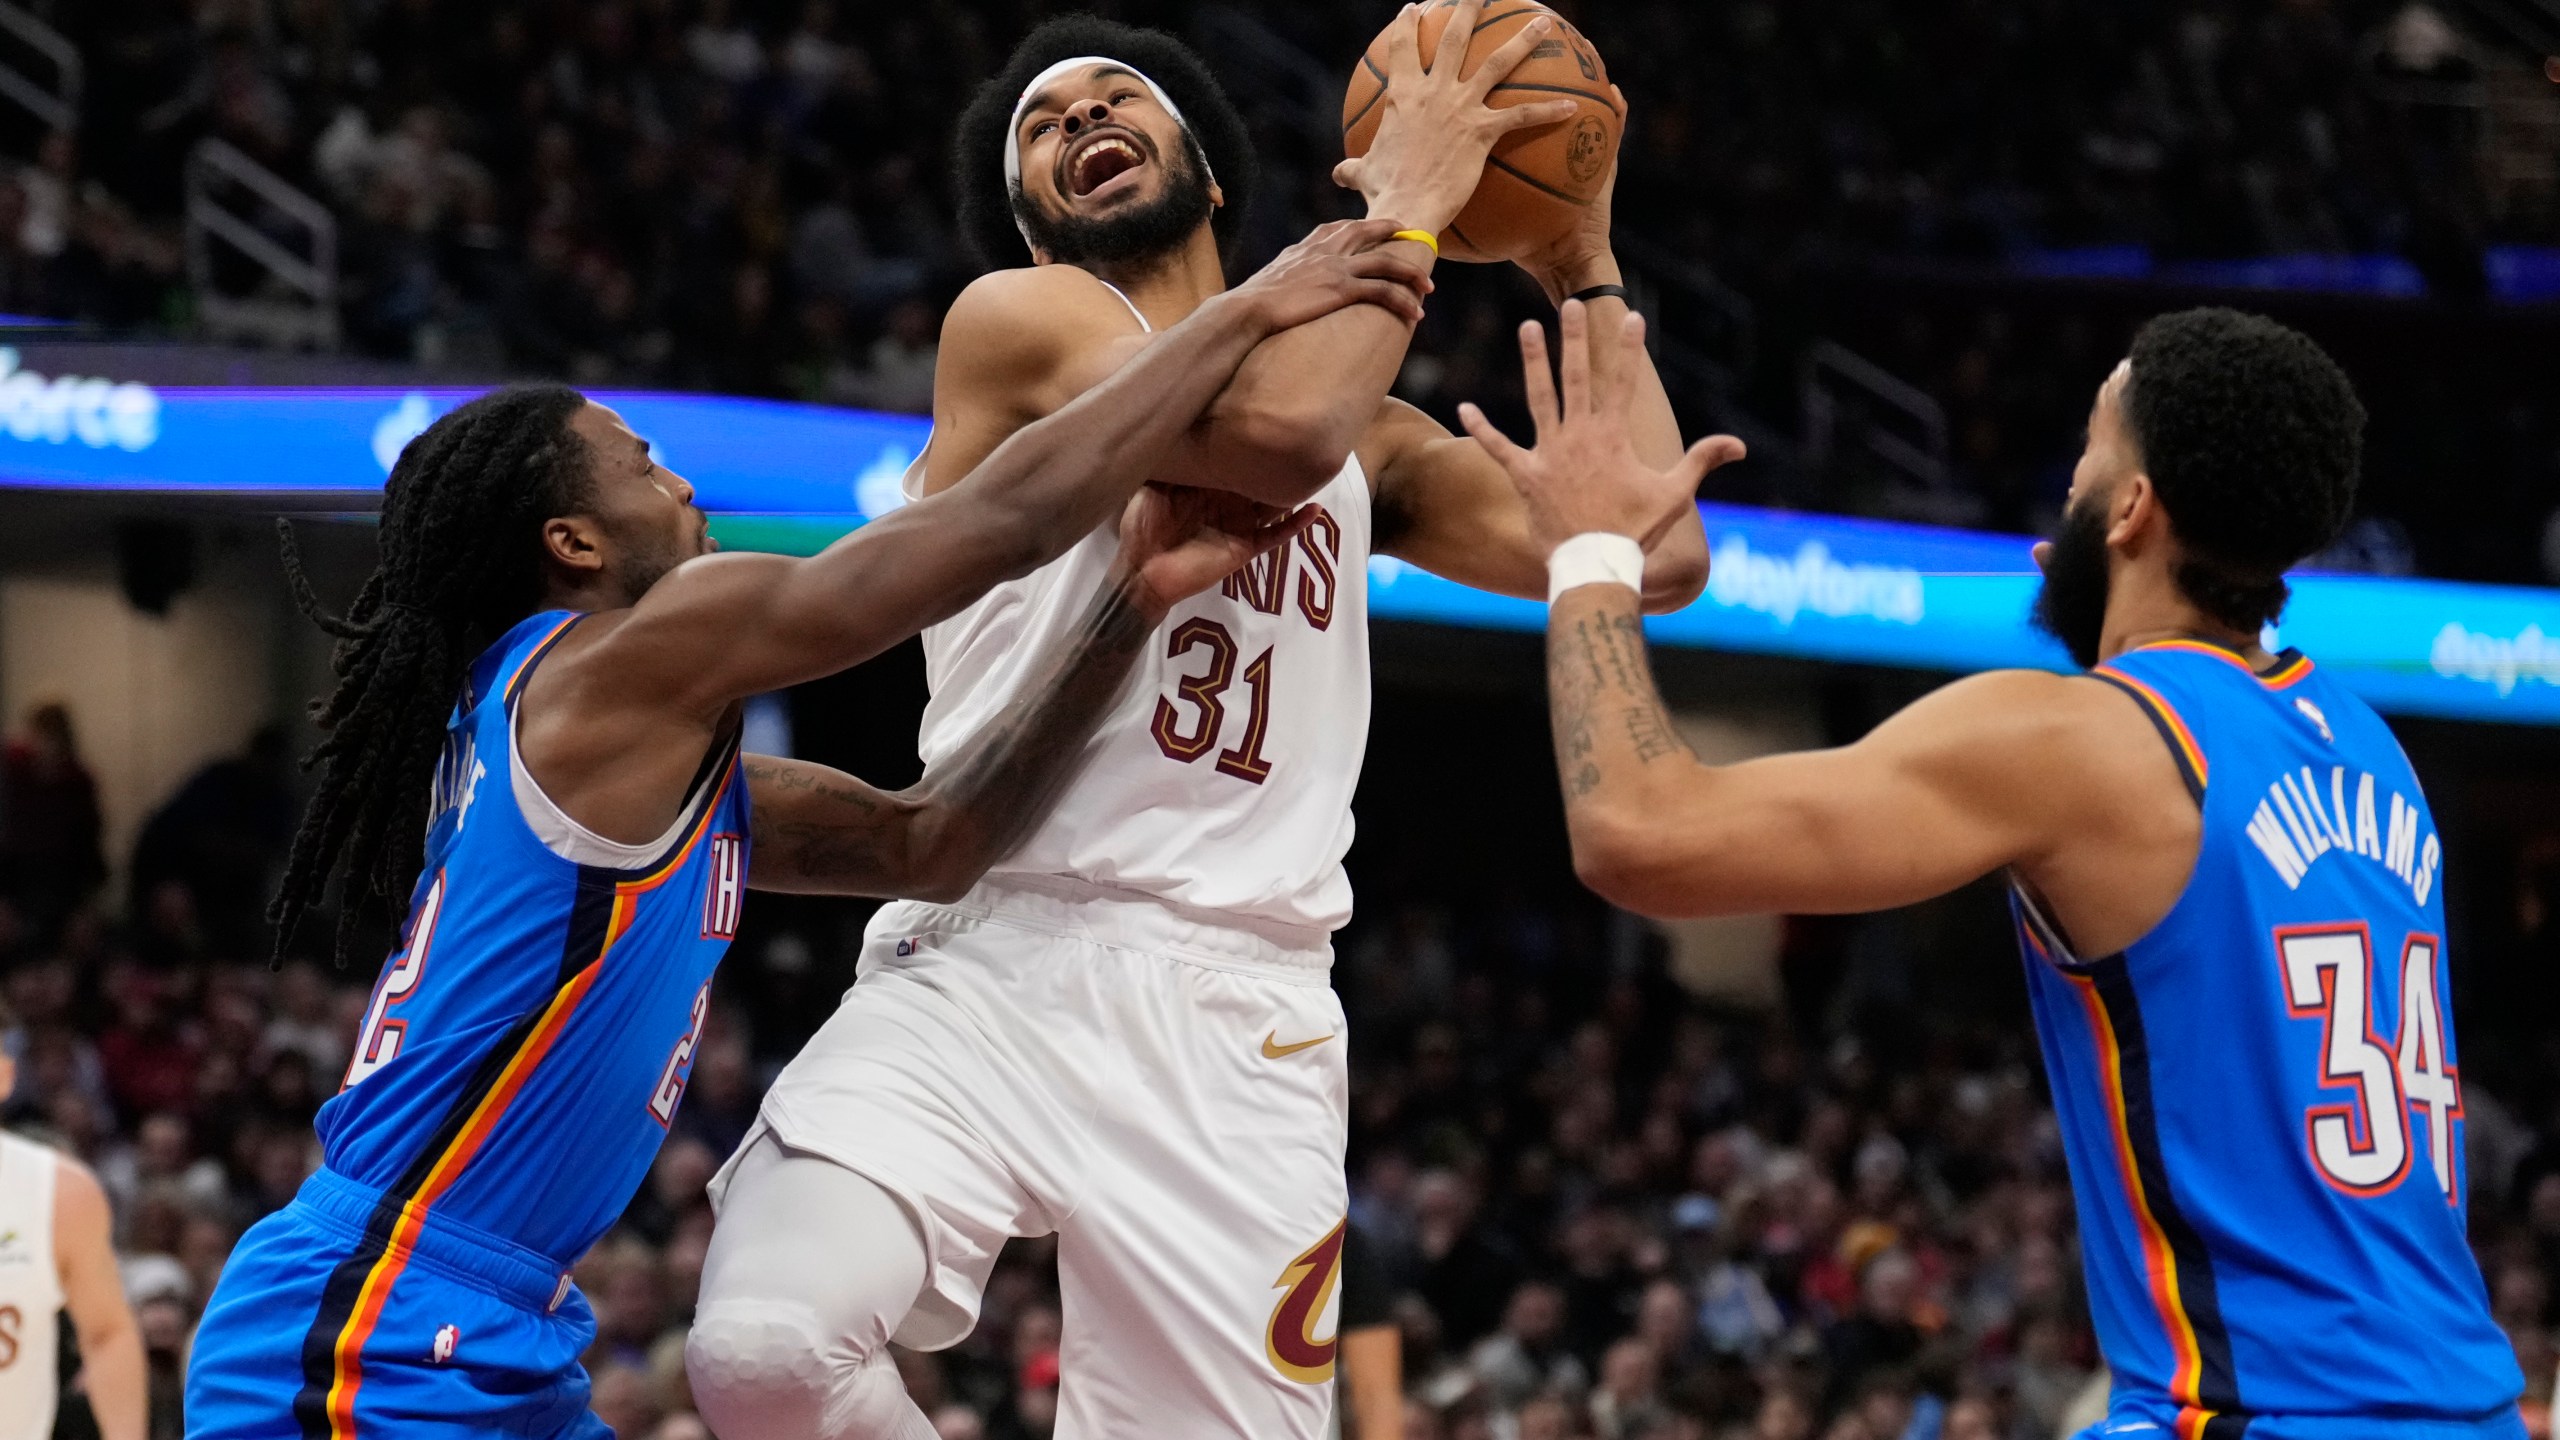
[(574, 842)]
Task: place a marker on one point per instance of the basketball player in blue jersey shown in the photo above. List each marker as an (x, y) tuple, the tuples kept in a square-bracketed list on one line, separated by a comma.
[(535, 739), (2226, 880)]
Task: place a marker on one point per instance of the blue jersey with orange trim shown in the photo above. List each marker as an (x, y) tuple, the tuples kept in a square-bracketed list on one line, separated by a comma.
[(527, 1044), (2260, 1099)]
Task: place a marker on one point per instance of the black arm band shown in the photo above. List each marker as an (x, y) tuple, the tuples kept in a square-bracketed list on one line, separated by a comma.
[(1602, 292)]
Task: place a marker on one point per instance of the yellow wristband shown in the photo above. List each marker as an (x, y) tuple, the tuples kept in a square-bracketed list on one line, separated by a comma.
[(1419, 237)]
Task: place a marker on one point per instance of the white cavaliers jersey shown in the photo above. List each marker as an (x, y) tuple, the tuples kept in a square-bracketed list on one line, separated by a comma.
[(1221, 781), (30, 1291)]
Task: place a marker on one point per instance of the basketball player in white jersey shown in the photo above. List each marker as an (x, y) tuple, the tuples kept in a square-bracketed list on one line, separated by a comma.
[(1125, 1034), (56, 1254)]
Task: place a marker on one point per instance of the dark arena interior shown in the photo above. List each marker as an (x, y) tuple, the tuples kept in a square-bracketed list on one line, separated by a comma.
[(1759, 1177)]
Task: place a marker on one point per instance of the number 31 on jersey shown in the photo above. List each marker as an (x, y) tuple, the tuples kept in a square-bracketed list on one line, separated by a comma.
[(2362, 1142)]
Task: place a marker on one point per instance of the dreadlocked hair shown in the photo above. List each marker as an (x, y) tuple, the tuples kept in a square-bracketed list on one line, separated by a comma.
[(461, 562)]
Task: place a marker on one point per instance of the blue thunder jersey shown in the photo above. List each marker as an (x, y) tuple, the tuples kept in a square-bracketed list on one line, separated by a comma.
[(2260, 1099), (527, 1045)]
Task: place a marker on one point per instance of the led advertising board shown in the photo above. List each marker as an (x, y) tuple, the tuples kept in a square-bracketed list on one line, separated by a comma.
[(790, 477)]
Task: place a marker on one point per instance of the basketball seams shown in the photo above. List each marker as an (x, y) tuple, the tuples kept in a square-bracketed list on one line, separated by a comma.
[(1596, 99), (1533, 182), (1371, 104), (1485, 22)]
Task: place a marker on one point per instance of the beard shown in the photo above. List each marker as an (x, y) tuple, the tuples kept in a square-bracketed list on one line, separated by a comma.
[(1148, 230), (645, 560), (2072, 605)]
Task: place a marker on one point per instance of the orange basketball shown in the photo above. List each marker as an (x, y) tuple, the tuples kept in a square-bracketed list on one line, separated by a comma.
[(1537, 182)]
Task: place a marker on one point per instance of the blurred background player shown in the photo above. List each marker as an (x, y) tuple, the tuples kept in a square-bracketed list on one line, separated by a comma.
[(581, 863), (1127, 1036), (2225, 877), (1371, 1406), (57, 1254)]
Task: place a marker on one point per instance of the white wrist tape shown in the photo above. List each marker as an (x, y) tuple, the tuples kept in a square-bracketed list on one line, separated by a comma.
[(1595, 557)]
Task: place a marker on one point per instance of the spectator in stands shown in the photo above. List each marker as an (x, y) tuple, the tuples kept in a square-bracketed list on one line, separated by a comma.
[(1627, 1403), (618, 192), (1527, 1356), (1462, 1270), (50, 855), (220, 837)]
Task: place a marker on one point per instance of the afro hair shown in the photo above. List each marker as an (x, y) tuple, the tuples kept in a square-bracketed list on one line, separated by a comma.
[(977, 148), (2254, 439)]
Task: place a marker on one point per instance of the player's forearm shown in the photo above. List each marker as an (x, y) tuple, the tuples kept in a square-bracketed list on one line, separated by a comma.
[(1675, 564), (1300, 402), (1651, 424), (821, 832), (113, 1374), (1617, 751), (980, 803)]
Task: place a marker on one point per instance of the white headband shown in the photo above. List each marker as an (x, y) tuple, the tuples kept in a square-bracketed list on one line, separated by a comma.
[(1041, 81)]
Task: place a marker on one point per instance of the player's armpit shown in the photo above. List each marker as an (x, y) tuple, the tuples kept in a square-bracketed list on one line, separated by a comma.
[(1446, 505)]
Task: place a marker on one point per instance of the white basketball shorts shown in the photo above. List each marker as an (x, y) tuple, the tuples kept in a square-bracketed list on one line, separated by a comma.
[(1168, 1096)]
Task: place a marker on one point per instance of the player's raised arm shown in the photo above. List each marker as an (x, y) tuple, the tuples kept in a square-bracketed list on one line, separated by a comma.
[(821, 831), (1444, 503), (1302, 401), (1980, 775), (731, 626)]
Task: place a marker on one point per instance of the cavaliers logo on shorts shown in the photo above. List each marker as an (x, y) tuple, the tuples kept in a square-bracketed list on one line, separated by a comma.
[(1290, 1338)]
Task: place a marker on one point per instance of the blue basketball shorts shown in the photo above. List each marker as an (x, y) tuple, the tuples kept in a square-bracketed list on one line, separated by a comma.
[(340, 1316)]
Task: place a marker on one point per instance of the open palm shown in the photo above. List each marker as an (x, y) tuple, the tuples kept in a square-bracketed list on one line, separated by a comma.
[(1584, 474)]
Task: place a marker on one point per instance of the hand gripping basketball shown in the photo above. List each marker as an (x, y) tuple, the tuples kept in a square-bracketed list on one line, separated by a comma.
[(1437, 129), (1584, 475)]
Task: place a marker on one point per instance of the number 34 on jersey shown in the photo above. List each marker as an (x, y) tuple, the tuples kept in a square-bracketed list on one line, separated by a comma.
[(2390, 1093)]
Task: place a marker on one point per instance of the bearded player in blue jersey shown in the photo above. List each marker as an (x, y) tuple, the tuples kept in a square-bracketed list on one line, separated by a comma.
[(535, 740), (2225, 877)]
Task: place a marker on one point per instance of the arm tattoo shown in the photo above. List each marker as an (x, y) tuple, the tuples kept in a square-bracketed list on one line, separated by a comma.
[(1607, 712), (825, 825), (983, 800)]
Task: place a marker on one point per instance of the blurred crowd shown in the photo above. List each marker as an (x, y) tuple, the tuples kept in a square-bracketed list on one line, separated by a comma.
[(751, 195), (1594, 1206)]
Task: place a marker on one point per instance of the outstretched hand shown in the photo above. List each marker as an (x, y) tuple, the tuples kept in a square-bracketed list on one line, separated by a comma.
[(1176, 541), (1584, 475)]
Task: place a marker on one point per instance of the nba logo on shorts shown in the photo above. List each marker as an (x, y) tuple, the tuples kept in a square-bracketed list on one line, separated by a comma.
[(726, 895), (448, 1340)]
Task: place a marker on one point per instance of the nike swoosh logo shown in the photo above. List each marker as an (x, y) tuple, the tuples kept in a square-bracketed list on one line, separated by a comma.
[(1273, 1050)]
